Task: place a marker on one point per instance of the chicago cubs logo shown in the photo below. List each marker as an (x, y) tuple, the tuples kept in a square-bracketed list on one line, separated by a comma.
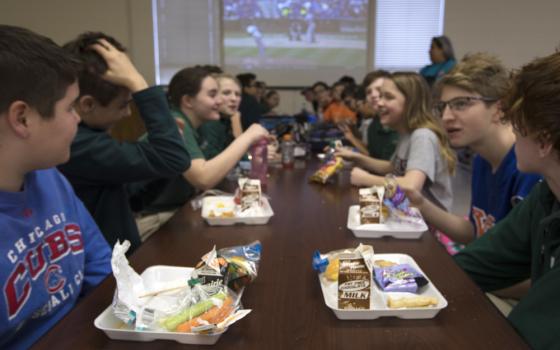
[(54, 279)]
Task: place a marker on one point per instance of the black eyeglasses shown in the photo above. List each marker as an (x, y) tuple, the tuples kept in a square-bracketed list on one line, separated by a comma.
[(460, 103)]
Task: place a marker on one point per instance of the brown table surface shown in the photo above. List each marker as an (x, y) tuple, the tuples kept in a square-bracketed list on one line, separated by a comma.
[(286, 299)]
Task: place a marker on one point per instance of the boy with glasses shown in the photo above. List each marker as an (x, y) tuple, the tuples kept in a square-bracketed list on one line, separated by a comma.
[(470, 109), (526, 243)]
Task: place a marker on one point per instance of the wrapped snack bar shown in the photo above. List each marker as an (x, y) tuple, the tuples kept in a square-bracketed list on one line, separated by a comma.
[(330, 167), (399, 278)]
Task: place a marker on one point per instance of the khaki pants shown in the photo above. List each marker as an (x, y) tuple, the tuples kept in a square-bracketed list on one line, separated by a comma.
[(149, 224), (503, 304)]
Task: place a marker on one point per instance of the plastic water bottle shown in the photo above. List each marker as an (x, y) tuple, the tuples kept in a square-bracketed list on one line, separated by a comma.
[(259, 161), (287, 151)]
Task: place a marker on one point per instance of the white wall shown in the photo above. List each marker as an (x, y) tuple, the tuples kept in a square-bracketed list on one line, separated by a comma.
[(515, 30), (129, 21)]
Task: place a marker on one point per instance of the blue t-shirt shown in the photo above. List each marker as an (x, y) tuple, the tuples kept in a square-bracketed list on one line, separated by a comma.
[(435, 71), (494, 195), (51, 252)]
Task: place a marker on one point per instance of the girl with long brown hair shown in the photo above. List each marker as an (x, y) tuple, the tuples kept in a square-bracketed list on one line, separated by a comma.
[(423, 159)]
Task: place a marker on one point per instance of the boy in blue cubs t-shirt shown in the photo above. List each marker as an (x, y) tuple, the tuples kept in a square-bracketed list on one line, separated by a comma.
[(51, 251)]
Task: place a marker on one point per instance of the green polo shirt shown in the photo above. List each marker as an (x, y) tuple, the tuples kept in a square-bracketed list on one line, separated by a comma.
[(382, 141), (218, 136), (171, 193)]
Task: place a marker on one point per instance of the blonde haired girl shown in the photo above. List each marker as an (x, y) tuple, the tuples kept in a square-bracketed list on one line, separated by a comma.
[(423, 159)]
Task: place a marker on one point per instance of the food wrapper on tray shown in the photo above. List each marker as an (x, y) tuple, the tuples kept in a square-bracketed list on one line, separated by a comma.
[(235, 266), (330, 166), (183, 305), (328, 264), (399, 278), (398, 204)]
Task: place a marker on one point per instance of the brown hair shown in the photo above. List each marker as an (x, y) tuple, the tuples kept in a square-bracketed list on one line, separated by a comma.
[(187, 81), (533, 103), (373, 76), (479, 73), (417, 111), (33, 69), (93, 67)]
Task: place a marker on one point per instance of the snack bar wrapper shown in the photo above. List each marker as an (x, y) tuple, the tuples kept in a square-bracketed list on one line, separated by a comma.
[(398, 204), (166, 307), (331, 166), (399, 278), (235, 266)]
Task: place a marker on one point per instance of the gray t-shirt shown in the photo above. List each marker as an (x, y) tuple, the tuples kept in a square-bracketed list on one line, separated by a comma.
[(421, 151)]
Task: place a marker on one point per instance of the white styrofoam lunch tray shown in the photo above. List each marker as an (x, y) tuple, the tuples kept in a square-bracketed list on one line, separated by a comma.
[(157, 278), (208, 203), (390, 228), (378, 302)]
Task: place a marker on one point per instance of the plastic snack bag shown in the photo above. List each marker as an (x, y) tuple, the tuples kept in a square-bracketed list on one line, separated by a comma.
[(237, 265), (331, 166), (398, 204)]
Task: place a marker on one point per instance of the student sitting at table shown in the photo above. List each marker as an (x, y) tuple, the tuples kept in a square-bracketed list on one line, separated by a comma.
[(99, 165), (423, 159), (380, 141), (526, 243), (52, 251), (322, 96), (470, 108), (193, 94), (335, 111), (219, 134), (250, 108)]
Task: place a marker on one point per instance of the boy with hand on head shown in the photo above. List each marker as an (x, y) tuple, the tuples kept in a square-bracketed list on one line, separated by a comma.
[(52, 251), (100, 166), (526, 243)]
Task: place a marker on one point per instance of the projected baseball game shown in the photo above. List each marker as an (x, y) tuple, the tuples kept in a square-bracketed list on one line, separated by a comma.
[(294, 34)]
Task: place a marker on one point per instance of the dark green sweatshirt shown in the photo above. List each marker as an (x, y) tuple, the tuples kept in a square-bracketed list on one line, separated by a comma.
[(100, 166), (524, 244)]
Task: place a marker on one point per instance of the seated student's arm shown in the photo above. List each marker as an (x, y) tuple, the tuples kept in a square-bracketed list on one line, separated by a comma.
[(98, 158), (503, 257), (377, 166), (96, 250), (205, 174), (105, 160), (236, 127), (356, 142), (535, 317), (97, 264), (454, 226), (413, 179)]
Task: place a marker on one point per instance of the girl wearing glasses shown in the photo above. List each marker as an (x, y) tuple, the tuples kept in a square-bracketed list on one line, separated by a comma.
[(423, 159), (470, 110)]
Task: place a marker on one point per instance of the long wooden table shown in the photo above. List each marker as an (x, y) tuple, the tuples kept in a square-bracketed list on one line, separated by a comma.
[(288, 307)]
